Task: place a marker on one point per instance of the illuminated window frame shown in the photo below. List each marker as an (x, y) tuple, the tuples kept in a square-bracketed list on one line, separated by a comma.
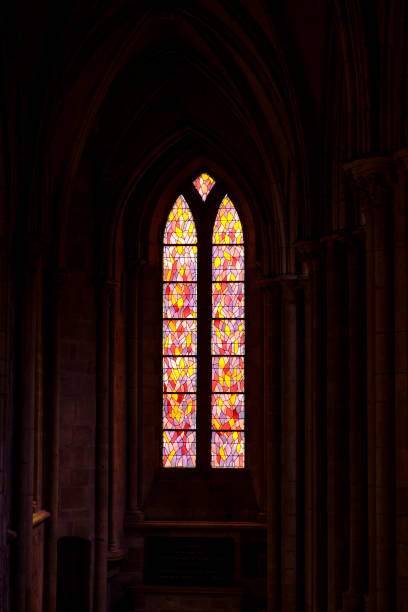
[(180, 250)]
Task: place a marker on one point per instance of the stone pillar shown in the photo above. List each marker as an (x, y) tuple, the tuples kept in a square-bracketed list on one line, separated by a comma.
[(289, 420), (373, 178), (314, 456), (115, 440), (400, 243), (336, 424), (51, 567), (25, 423), (272, 411), (104, 294), (353, 599), (135, 411)]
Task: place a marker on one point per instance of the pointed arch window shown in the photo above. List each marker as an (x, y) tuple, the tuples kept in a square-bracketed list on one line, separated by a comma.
[(184, 297)]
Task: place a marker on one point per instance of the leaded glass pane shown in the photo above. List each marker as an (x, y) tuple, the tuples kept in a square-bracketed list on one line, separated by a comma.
[(228, 337), (179, 337), (180, 263), (228, 263), (227, 227), (204, 183), (179, 411), (228, 300), (179, 448), (227, 449), (180, 227), (227, 374), (228, 411), (180, 300)]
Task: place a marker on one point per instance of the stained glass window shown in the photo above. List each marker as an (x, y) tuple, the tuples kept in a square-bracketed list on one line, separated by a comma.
[(179, 337), (204, 183), (182, 299), (228, 340)]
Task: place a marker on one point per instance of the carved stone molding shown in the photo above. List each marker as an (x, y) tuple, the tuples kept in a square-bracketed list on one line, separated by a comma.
[(372, 180), (106, 286), (310, 254), (401, 158)]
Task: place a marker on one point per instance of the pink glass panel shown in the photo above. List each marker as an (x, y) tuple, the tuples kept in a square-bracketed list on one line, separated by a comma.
[(179, 337), (179, 411), (180, 263), (179, 448), (228, 300), (204, 183), (228, 337), (227, 449), (228, 263), (179, 374), (228, 411), (180, 300), (227, 226), (227, 374), (180, 227)]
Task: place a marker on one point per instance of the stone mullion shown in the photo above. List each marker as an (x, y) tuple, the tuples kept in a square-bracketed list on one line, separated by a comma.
[(26, 424), (272, 426), (102, 444), (50, 572), (314, 502), (336, 414), (374, 182), (400, 242), (289, 441), (353, 599)]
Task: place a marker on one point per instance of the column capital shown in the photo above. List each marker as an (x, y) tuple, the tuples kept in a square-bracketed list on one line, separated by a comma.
[(289, 281), (401, 159), (310, 254), (372, 179), (106, 286)]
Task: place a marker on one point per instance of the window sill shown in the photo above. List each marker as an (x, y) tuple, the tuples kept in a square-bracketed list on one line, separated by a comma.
[(39, 517)]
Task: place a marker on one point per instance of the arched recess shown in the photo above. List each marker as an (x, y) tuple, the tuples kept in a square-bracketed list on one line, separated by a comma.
[(139, 225)]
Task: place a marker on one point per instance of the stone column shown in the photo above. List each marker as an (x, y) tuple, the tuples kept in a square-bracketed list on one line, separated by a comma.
[(51, 567), (289, 459), (374, 181), (314, 456), (336, 424), (135, 410), (400, 243), (26, 398), (104, 294), (272, 468), (353, 599)]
